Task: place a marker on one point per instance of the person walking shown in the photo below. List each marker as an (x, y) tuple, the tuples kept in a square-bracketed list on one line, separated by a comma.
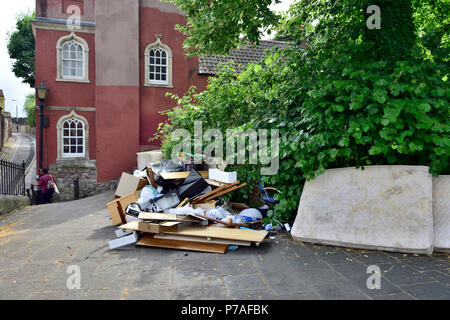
[(48, 184)]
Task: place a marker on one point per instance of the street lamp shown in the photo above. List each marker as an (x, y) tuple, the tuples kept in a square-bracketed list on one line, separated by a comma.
[(42, 92)]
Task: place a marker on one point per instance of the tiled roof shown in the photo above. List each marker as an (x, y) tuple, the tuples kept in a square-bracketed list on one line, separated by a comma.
[(242, 57)]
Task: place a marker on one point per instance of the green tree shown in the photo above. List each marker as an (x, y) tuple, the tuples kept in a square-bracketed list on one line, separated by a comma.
[(353, 97), (219, 26), (29, 107), (21, 48)]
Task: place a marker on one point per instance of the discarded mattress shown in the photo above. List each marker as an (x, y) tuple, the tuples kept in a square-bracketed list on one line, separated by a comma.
[(380, 207), (441, 213)]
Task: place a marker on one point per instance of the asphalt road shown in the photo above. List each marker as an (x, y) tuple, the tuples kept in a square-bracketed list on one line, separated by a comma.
[(22, 147)]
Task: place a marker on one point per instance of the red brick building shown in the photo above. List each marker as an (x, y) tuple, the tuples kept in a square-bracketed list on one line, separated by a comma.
[(108, 79)]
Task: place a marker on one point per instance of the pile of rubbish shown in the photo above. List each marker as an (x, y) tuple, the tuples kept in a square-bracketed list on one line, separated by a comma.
[(180, 206)]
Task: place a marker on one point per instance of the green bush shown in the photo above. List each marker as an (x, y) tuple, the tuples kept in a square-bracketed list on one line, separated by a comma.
[(337, 103)]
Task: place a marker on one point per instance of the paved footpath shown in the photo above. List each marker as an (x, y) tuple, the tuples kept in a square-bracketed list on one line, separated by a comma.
[(39, 244)]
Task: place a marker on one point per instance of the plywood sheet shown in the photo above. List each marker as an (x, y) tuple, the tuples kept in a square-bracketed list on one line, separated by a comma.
[(167, 217), (149, 241), (222, 233), (200, 239), (148, 227), (175, 175)]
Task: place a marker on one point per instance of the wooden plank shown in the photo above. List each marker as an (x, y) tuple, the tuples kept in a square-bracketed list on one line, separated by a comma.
[(128, 199), (222, 233), (175, 175), (151, 177), (204, 174), (167, 217), (117, 216), (170, 224), (200, 239), (149, 241), (148, 227), (225, 192), (182, 203), (216, 191), (205, 206)]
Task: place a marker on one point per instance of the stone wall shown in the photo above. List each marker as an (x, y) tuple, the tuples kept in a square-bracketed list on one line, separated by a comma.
[(11, 203), (67, 171), (6, 127)]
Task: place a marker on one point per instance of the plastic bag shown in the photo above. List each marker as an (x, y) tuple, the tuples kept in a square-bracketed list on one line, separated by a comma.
[(186, 210), (251, 214), (236, 219), (147, 193), (218, 213)]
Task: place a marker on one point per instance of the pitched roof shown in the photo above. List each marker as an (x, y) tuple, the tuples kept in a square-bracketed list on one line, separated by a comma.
[(209, 64)]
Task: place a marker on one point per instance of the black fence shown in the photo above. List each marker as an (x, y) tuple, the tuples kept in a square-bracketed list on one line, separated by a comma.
[(12, 178)]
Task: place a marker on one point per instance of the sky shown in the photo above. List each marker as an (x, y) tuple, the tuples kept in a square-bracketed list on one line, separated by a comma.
[(12, 87)]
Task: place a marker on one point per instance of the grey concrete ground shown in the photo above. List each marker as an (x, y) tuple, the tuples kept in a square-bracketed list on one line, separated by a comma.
[(39, 244)]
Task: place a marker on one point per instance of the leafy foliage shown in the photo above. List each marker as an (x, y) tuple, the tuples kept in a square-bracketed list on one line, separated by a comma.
[(30, 104), (216, 26), (21, 48), (351, 98)]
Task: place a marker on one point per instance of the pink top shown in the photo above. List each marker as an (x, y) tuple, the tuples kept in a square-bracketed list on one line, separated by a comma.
[(43, 181)]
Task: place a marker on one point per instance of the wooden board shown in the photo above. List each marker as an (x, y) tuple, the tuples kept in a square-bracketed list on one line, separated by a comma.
[(148, 227), (117, 207), (149, 241), (128, 199), (214, 192), (205, 206), (117, 216), (151, 177), (224, 192), (222, 233), (175, 175), (200, 239), (167, 217)]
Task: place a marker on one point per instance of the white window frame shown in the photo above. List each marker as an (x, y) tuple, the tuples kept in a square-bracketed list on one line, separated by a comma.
[(60, 137), (158, 45), (76, 137), (69, 59), (59, 55)]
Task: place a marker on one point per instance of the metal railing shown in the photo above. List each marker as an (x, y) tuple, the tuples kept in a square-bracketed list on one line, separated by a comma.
[(12, 178)]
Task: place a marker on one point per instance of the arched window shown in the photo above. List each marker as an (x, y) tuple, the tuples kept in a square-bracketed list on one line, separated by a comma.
[(73, 139), (72, 59), (158, 64), (158, 71)]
